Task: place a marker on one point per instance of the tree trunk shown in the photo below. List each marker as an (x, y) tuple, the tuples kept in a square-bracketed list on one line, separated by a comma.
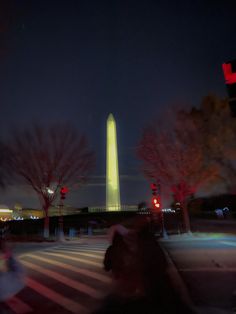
[(46, 224), (186, 217)]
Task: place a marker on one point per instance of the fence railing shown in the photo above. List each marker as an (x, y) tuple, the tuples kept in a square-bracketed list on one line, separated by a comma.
[(99, 209)]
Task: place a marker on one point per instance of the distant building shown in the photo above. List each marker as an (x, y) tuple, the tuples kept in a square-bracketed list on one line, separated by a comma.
[(5, 213)]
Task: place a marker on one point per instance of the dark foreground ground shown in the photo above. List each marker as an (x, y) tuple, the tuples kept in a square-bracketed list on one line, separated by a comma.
[(203, 264)]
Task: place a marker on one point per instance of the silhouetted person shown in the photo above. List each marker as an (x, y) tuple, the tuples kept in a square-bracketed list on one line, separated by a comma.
[(114, 256), (152, 261), (140, 267), (157, 285)]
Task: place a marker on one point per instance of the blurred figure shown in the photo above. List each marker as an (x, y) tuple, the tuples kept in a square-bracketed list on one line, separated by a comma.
[(226, 212), (157, 286), (140, 269), (115, 256), (4, 230), (219, 213), (117, 229), (12, 275), (120, 259), (152, 261)]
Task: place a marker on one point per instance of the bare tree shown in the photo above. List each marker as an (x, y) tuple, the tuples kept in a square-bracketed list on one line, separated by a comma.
[(48, 158), (173, 155)]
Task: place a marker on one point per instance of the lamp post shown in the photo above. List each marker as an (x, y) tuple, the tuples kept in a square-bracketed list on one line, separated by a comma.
[(63, 192), (157, 207), (163, 229), (61, 236)]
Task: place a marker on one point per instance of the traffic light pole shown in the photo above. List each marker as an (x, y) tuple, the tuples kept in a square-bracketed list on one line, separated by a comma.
[(157, 213), (162, 219), (63, 192), (61, 236), (163, 229)]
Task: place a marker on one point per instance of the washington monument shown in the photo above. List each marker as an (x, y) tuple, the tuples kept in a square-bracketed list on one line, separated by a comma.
[(112, 169)]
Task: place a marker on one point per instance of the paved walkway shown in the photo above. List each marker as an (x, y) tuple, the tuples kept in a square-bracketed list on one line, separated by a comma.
[(198, 236)]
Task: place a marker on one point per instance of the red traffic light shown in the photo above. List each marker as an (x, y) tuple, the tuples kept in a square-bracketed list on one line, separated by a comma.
[(156, 202), (64, 190), (153, 186), (154, 189)]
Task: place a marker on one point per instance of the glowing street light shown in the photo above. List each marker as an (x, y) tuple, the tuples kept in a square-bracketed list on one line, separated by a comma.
[(49, 190)]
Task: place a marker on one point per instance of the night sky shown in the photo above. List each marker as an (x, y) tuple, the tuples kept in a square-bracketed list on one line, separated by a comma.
[(80, 60)]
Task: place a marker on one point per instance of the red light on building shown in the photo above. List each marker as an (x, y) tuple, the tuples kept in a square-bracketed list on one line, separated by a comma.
[(230, 76), (229, 69)]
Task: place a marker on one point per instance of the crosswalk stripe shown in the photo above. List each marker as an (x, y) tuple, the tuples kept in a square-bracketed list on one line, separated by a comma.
[(81, 246), (18, 306), (93, 244), (80, 250), (98, 247), (82, 271), (209, 269), (91, 255), (87, 244), (81, 253), (228, 243), (93, 251), (77, 259), (57, 298), (95, 247), (67, 281)]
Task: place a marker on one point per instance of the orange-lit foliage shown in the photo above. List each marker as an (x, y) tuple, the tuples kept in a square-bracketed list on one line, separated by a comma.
[(218, 132), (174, 155)]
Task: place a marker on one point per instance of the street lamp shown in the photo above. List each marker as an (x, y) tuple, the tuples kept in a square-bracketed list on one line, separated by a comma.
[(50, 191), (63, 192), (157, 207)]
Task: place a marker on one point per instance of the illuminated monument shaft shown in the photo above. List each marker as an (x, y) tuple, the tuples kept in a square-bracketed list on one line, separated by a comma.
[(112, 175)]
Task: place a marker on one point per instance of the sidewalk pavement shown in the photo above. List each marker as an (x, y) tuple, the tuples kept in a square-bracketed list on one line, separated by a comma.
[(180, 287), (176, 280), (175, 277), (197, 236)]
